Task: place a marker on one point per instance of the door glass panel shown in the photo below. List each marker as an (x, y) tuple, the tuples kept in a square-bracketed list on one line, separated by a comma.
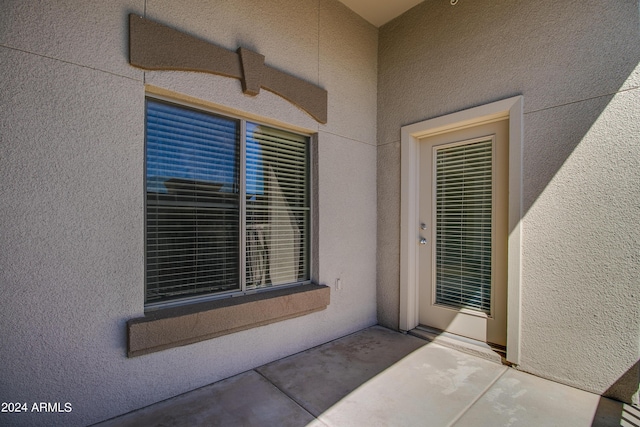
[(464, 199)]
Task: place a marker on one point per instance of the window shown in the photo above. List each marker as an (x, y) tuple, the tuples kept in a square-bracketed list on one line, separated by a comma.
[(227, 206)]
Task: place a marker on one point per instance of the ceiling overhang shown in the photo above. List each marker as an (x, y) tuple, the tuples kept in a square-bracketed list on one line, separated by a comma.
[(379, 12)]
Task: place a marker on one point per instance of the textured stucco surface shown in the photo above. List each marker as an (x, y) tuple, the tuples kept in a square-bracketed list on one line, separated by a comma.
[(576, 64), (346, 229), (89, 33), (72, 137), (349, 65), (581, 257), (466, 55), (388, 255)]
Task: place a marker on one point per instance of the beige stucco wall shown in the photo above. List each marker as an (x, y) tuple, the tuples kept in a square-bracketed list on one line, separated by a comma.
[(576, 64), (71, 174)]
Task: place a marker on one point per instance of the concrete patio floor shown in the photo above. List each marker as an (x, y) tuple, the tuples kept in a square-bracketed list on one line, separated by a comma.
[(378, 377)]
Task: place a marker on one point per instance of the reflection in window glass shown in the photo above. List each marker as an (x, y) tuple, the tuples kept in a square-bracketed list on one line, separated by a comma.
[(192, 202), (194, 213)]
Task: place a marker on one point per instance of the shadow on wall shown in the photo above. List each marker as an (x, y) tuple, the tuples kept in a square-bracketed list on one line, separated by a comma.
[(555, 141), (561, 57), (568, 70), (569, 73), (567, 61), (576, 68), (625, 388), (627, 385)]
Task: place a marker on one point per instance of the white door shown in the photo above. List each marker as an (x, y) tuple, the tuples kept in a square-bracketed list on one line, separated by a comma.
[(463, 231)]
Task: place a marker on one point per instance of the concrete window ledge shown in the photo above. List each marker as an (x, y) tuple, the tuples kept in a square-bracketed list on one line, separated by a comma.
[(173, 327)]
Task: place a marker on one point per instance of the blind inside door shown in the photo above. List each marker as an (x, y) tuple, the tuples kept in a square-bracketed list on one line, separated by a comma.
[(192, 202), (463, 228), (277, 207)]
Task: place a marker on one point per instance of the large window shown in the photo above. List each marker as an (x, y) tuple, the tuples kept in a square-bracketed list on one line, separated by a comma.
[(227, 207)]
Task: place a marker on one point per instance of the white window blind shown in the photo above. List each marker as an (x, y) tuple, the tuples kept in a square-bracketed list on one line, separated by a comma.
[(463, 229), (193, 210), (277, 206)]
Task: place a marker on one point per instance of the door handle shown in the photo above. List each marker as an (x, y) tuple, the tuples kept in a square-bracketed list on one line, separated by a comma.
[(423, 241)]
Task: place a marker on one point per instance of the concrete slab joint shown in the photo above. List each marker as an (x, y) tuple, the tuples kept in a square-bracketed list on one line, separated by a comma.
[(178, 326)]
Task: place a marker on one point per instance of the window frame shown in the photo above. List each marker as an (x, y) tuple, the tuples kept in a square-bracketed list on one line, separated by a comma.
[(242, 205)]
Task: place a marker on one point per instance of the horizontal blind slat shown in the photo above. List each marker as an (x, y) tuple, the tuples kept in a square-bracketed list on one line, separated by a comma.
[(192, 223), (463, 206), (193, 204), (277, 227)]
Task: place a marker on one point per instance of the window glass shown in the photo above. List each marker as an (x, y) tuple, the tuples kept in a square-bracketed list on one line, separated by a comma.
[(464, 204), (192, 202), (193, 209), (277, 207)]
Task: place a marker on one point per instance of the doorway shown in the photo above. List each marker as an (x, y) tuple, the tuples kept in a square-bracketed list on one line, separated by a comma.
[(473, 311), (463, 232)]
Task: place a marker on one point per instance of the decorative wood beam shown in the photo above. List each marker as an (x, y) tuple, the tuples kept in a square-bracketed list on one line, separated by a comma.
[(153, 46)]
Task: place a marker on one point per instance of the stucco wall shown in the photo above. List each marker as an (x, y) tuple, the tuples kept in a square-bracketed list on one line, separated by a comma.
[(71, 174), (576, 64)]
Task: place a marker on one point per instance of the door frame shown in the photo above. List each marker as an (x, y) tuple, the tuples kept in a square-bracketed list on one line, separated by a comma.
[(510, 108)]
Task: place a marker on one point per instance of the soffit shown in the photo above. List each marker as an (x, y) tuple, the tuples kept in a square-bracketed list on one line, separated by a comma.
[(379, 12)]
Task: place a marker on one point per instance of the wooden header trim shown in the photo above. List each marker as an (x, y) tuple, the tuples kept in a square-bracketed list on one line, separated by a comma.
[(153, 46)]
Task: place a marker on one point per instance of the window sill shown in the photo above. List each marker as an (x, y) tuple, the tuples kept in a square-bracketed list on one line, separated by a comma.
[(178, 326)]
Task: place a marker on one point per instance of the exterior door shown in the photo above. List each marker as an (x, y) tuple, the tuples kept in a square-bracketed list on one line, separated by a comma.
[(463, 231)]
